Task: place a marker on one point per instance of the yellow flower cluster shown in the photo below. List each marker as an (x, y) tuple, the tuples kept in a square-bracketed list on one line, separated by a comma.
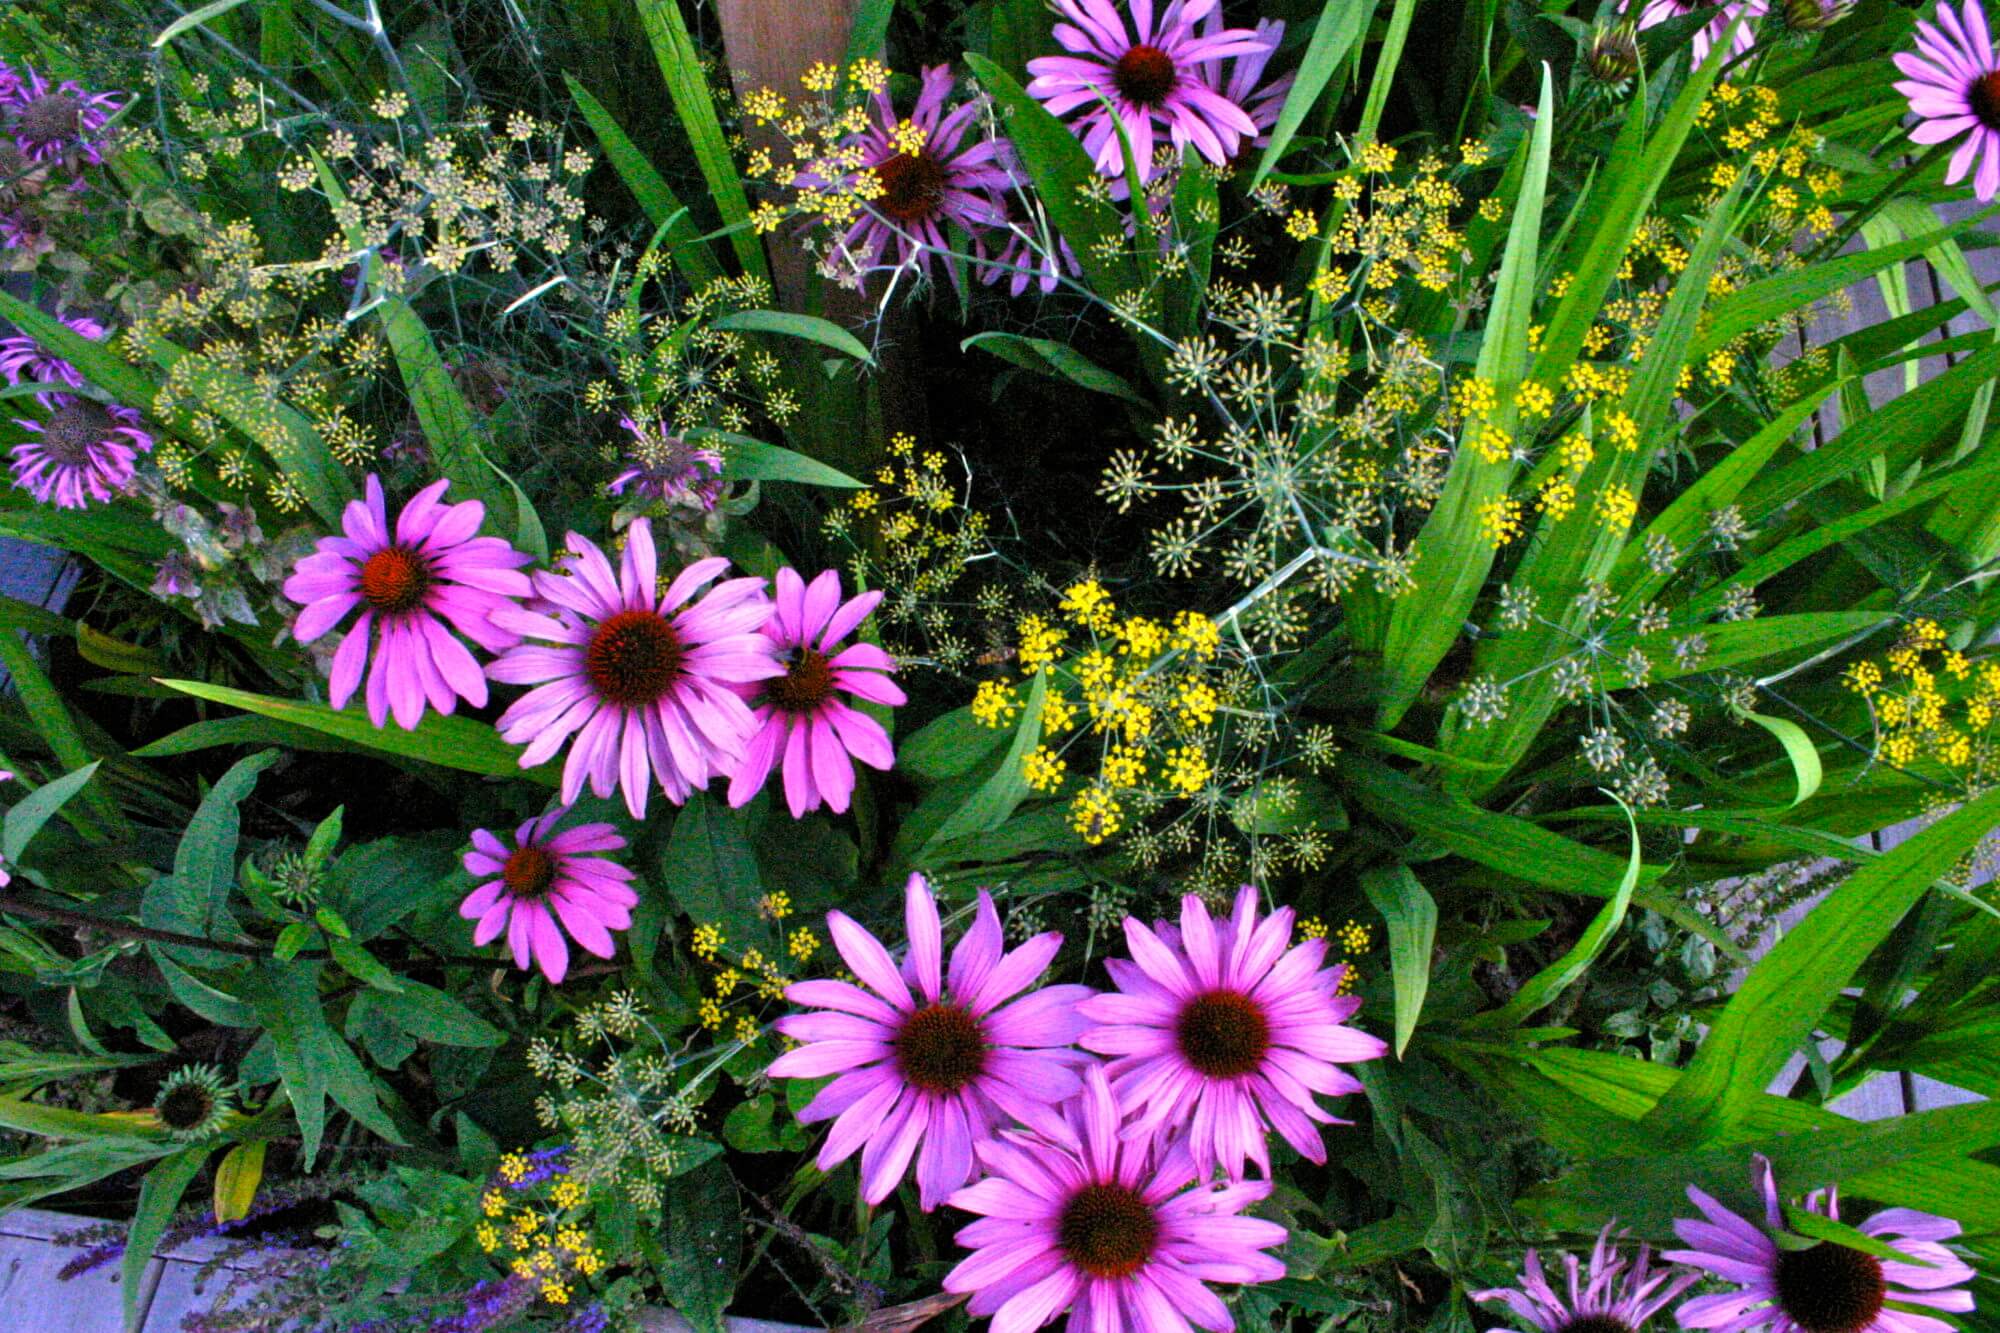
[(911, 535), (531, 1228), (1932, 702), (1143, 687)]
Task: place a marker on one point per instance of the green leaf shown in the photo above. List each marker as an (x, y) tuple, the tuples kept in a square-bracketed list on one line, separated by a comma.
[(1798, 748), (1054, 159), (1453, 556), (51, 718), (363, 966), (194, 18), (1411, 914), (159, 1195), (292, 940), (218, 1007), (26, 816), (429, 1014), (312, 1060), (810, 328), (687, 84), (450, 742), (1560, 975), (1812, 1225), (710, 868), (236, 1180), (686, 247), (1778, 1005), (701, 1245), (1058, 360), (1341, 25), (96, 361), (1735, 643), (205, 860), (995, 798), (745, 459)]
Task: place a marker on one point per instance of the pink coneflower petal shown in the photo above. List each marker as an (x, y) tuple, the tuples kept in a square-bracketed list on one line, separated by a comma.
[(803, 728), (413, 584), (545, 885), (1084, 1219), (1227, 1029), (1655, 12), (925, 1073), (82, 452), (639, 684), (1820, 1288)]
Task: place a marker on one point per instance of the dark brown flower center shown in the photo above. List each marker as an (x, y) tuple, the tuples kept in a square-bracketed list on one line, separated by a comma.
[(394, 580), (1595, 1323), (912, 186), (50, 118), (72, 429), (528, 872), (1223, 1034), (1144, 76), (806, 684), (1984, 96), (1108, 1230), (186, 1106), (941, 1048), (633, 658), (1830, 1288)]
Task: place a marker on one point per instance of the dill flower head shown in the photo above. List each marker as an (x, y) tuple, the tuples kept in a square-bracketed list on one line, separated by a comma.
[(664, 468), (193, 1102)]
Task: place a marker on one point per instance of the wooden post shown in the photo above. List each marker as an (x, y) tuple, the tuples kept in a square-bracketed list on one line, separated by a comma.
[(769, 44)]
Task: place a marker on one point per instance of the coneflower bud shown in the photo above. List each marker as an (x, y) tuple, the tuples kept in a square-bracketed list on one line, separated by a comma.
[(1613, 56), (1813, 15), (192, 1103)]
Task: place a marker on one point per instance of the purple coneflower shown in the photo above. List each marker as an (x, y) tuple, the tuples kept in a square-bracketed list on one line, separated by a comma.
[(1655, 12), (414, 584), (1094, 1222), (935, 171), (943, 1068), (1150, 74), (544, 885), (1235, 77), (802, 722), (644, 681), (666, 469), (58, 121), (1023, 261), (1823, 1288), (1227, 1029), (1611, 1297), (1954, 89), (82, 454), (23, 360)]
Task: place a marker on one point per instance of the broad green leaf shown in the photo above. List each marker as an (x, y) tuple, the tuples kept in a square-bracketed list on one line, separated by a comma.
[(429, 1014), (236, 1180), (450, 742), (51, 717), (810, 328), (194, 18), (205, 860), (745, 459), (686, 246), (159, 1195), (687, 85), (1341, 26), (26, 816), (1732, 643), (1779, 1004), (710, 868), (1798, 748), (1806, 1222), (1411, 914), (1453, 556), (313, 1060), (1560, 975), (1058, 360), (995, 799), (697, 1254)]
